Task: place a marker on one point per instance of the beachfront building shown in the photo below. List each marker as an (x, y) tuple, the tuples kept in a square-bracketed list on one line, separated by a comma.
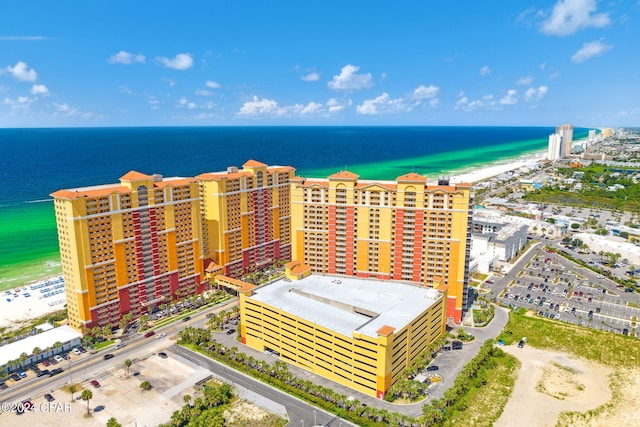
[(39, 346), (361, 333), (566, 133), (245, 218), (405, 230), (554, 149), (128, 247)]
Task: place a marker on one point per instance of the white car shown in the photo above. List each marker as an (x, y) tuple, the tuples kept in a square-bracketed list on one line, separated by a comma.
[(162, 335), (58, 358), (76, 352)]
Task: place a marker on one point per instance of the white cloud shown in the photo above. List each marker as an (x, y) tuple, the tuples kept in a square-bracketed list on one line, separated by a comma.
[(510, 98), (257, 107), (268, 107), (64, 110), (334, 105), (589, 50), (123, 57), (22, 72), (385, 104), (311, 77), (485, 71), (213, 85), (20, 103), (185, 103), (349, 80), (203, 92), (535, 94), (39, 90), (570, 16), (182, 61), (426, 92), (527, 80)]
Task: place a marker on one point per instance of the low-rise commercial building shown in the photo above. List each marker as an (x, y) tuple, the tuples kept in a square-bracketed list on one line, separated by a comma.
[(361, 333)]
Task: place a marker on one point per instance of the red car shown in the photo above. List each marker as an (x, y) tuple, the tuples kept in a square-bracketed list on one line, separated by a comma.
[(45, 362), (149, 334), (95, 383)]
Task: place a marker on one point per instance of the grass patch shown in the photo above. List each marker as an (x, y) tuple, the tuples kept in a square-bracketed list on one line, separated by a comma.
[(484, 405), (103, 344), (599, 346)]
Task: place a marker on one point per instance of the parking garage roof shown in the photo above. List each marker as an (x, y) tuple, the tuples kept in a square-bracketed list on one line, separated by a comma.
[(348, 304)]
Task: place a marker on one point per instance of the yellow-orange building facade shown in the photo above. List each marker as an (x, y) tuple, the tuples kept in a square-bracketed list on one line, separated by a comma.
[(392, 230), (362, 333), (128, 247), (246, 217)]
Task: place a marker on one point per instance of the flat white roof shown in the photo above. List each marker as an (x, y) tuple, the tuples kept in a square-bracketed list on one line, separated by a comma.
[(347, 304), (43, 340)]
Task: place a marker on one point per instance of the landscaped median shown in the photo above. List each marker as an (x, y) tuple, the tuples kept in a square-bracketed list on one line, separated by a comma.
[(490, 373)]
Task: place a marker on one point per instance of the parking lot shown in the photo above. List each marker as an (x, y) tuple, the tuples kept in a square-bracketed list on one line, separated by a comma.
[(556, 288), (117, 395), (48, 366)]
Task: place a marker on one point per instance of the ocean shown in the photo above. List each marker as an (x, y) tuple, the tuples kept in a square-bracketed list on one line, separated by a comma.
[(37, 162)]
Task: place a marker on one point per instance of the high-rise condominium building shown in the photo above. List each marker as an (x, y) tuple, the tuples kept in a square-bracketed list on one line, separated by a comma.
[(554, 148), (399, 230), (246, 218), (566, 132), (128, 247)]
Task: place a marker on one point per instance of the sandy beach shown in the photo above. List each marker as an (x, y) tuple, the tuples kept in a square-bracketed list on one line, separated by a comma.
[(31, 300), (495, 170)]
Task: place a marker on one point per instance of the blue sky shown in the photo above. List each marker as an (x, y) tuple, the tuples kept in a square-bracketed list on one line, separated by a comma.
[(195, 63)]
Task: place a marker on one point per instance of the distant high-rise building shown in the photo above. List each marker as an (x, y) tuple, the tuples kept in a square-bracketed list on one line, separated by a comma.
[(246, 218), (555, 145), (398, 230), (126, 248), (606, 133), (592, 136), (566, 132)]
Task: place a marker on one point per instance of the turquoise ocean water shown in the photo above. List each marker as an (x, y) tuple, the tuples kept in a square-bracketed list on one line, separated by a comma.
[(37, 162)]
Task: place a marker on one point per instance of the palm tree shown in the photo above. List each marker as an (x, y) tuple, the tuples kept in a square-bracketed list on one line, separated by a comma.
[(87, 395), (71, 388), (127, 365), (112, 422), (145, 386)]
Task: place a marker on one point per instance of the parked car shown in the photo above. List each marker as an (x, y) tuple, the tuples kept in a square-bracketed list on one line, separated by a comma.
[(432, 368), (56, 372), (76, 352), (49, 397), (3, 386), (162, 355), (46, 362), (58, 358), (456, 345), (231, 331), (95, 383), (22, 374), (43, 373)]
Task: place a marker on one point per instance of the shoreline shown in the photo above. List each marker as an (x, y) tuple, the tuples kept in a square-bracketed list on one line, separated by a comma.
[(38, 270)]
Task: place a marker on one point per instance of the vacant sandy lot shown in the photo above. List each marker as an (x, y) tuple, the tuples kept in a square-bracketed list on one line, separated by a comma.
[(120, 396), (551, 383)]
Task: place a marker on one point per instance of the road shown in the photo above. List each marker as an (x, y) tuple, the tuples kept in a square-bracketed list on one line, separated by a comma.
[(300, 413)]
